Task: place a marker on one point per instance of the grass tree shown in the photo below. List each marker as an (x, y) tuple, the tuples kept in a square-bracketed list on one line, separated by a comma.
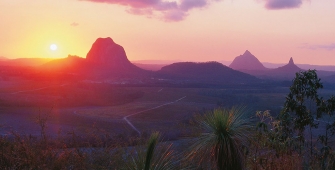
[(153, 157), (225, 133)]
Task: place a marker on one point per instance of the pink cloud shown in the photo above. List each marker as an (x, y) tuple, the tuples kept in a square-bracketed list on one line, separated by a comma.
[(329, 47), (189, 4), (174, 15), (138, 11), (172, 10), (282, 4)]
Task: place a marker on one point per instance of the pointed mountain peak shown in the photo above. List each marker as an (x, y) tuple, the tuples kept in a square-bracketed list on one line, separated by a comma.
[(289, 68), (247, 61), (291, 61), (247, 52)]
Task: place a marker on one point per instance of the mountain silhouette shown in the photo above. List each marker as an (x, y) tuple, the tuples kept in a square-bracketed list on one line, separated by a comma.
[(247, 61), (286, 72), (105, 52), (24, 62), (70, 64), (288, 68), (208, 72), (3, 58), (109, 59), (105, 59)]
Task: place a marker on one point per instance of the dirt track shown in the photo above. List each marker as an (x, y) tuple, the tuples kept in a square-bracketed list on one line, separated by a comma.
[(132, 126)]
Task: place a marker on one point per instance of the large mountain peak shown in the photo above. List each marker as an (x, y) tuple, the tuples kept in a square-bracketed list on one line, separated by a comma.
[(105, 59), (247, 61), (106, 52)]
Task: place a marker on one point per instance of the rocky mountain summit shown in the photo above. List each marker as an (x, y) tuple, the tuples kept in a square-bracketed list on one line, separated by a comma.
[(247, 61), (106, 52)]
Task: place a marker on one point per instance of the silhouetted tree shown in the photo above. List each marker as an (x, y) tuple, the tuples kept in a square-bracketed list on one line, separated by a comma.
[(327, 108), (302, 92)]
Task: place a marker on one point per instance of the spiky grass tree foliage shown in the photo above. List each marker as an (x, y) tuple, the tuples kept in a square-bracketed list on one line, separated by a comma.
[(221, 144), (153, 157)]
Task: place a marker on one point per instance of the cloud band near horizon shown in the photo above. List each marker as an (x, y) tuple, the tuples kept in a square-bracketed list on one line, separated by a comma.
[(175, 10), (329, 47)]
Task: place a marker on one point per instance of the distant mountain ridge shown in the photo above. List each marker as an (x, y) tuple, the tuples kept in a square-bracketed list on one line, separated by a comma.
[(69, 64), (24, 62), (288, 68), (160, 62), (152, 67), (249, 64), (210, 72), (284, 72), (107, 60), (3, 58), (247, 61), (302, 66)]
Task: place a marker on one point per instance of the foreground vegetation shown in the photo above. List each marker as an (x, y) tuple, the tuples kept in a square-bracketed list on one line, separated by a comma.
[(300, 137)]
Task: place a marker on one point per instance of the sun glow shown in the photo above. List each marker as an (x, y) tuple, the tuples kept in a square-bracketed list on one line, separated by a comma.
[(53, 47)]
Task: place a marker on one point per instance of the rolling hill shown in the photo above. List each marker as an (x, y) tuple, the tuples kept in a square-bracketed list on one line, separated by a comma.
[(208, 72)]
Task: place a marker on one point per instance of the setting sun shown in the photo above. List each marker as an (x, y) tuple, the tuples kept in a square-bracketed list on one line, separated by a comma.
[(53, 47)]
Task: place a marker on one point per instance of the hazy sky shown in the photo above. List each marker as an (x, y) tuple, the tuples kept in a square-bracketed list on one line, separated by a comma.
[(189, 30)]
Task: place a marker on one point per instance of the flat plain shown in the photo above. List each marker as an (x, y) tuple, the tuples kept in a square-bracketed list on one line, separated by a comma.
[(84, 107)]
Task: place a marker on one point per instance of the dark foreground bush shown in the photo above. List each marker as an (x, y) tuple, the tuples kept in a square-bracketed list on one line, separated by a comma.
[(24, 152)]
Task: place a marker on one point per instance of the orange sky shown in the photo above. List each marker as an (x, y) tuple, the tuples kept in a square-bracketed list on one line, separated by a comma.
[(188, 30)]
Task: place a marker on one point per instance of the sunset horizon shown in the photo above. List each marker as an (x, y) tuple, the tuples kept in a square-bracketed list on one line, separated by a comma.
[(202, 30), (167, 84)]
